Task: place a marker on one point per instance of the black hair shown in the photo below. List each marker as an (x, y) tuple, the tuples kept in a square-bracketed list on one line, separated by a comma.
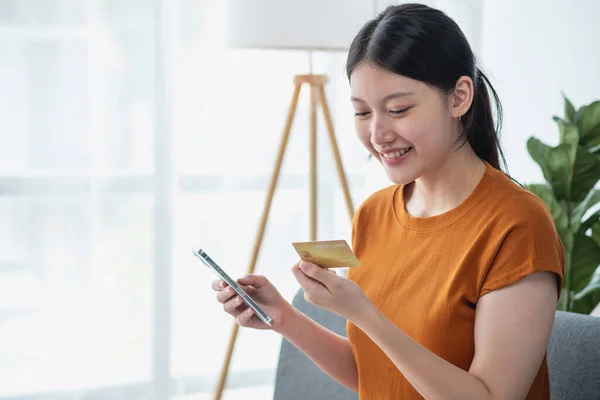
[(424, 44)]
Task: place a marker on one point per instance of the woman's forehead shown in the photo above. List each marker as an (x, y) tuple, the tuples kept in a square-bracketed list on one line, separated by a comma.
[(372, 82)]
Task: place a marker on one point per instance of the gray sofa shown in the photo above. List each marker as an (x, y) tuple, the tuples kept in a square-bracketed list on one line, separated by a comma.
[(573, 358)]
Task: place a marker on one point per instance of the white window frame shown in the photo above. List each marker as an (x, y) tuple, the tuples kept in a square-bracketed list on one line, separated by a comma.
[(162, 184)]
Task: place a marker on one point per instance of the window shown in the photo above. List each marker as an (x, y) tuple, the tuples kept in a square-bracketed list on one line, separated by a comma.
[(131, 134)]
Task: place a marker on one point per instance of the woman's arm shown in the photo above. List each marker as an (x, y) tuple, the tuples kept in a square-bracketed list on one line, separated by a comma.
[(328, 350), (512, 330)]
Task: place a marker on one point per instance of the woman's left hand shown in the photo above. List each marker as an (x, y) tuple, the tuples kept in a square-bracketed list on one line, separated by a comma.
[(324, 288)]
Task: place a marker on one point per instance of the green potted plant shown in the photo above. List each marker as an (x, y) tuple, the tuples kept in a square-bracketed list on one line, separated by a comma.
[(572, 171)]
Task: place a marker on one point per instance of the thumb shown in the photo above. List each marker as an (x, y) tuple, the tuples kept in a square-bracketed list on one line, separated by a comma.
[(256, 281), (316, 272)]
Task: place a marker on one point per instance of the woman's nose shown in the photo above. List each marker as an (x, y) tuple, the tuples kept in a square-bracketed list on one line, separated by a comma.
[(381, 131)]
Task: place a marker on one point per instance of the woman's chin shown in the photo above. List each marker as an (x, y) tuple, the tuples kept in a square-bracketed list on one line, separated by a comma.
[(399, 176)]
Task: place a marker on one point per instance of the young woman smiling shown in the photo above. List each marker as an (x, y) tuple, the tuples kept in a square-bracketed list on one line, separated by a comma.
[(460, 268)]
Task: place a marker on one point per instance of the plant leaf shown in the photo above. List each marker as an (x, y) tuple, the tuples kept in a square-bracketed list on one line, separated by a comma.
[(586, 258), (579, 211), (568, 244), (596, 232), (593, 145), (586, 174), (539, 152), (589, 122), (560, 120), (593, 287), (569, 109), (578, 114), (589, 222), (544, 192), (569, 133), (560, 163), (565, 164), (586, 304)]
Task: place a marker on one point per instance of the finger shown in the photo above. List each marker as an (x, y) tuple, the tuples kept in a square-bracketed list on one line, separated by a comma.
[(228, 292), (331, 271), (231, 305), (244, 318), (218, 284), (316, 272), (225, 294), (313, 289), (256, 281), (306, 282)]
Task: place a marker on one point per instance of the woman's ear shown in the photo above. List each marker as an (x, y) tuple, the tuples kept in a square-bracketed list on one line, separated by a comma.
[(461, 97)]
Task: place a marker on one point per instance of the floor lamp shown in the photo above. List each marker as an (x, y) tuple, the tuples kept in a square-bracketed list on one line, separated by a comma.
[(308, 25)]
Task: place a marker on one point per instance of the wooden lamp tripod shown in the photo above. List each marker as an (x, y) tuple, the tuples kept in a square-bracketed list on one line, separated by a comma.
[(317, 97)]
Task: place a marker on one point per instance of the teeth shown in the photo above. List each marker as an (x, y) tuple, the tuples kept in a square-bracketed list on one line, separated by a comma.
[(397, 154)]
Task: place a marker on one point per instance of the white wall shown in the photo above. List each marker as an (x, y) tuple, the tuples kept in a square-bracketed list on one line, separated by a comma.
[(535, 49)]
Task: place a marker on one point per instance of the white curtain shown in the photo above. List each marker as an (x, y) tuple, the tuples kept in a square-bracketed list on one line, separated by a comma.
[(129, 135)]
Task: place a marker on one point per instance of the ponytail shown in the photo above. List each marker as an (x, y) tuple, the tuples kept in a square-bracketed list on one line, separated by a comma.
[(480, 127)]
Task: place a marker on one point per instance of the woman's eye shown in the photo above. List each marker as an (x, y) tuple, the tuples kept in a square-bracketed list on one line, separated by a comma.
[(361, 114), (399, 112)]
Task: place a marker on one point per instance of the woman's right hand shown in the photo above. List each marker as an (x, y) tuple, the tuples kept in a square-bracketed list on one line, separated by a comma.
[(262, 292)]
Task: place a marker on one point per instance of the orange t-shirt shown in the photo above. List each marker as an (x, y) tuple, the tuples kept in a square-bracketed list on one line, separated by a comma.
[(427, 274)]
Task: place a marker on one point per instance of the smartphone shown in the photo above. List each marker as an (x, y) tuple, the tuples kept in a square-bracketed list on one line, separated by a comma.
[(258, 311)]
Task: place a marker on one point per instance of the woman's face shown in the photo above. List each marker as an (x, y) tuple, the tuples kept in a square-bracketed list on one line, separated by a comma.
[(404, 123)]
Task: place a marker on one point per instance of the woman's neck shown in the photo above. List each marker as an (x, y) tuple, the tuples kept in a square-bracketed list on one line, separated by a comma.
[(446, 186)]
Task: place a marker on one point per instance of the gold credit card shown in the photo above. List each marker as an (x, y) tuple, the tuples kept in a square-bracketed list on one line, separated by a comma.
[(327, 253)]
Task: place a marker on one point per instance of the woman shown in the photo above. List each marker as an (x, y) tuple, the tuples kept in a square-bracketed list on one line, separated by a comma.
[(461, 268)]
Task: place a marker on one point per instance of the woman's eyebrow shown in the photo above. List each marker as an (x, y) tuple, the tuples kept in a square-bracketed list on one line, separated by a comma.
[(386, 98)]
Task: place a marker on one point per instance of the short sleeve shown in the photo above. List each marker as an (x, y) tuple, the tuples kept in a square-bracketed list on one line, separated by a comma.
[(531, 245)]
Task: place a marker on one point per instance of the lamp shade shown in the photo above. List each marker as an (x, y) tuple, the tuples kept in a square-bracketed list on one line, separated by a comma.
[(295, 24)]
